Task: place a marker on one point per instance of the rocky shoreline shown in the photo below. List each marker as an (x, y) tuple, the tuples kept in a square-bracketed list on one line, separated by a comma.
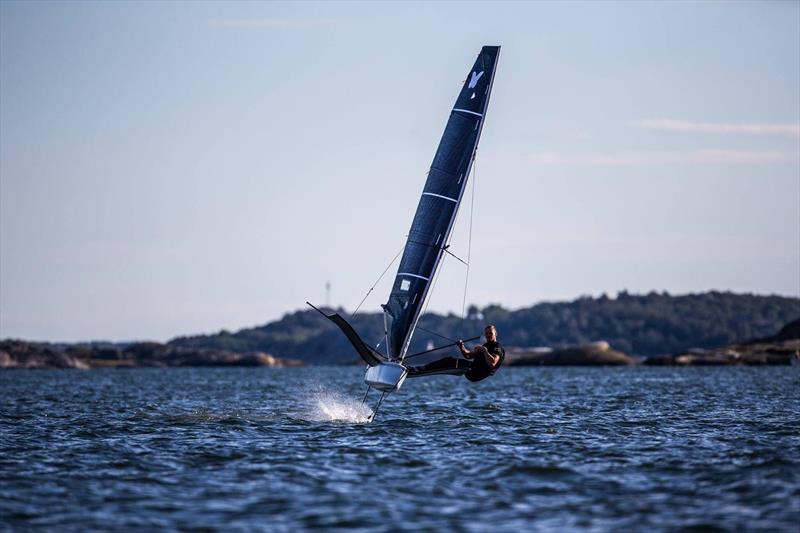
[(15, 354), (595, 354), (754, 355), (780, 349)]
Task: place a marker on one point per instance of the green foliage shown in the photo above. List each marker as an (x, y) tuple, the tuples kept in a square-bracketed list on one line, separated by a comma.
[(645, 325)]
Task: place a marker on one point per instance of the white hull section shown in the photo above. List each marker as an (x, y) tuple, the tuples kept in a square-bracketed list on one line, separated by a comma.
[(386, 377)]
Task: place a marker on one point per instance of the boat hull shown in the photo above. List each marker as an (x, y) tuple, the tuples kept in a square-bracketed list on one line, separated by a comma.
[(386, 377)]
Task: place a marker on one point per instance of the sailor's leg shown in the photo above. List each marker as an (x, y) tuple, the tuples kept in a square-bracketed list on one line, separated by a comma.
[(446, 365)]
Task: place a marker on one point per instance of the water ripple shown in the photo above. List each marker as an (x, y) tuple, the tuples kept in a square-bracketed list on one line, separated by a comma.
[(289, 449)]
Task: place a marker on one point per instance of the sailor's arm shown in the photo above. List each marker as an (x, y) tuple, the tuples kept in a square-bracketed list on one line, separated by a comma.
[(491, 358), (466, 353)]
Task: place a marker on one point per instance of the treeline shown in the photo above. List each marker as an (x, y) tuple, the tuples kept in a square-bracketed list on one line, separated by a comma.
[(642, 325)]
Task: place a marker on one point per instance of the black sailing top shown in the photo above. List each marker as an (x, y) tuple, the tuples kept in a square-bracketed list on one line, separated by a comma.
[(480, 369), (441, 196)]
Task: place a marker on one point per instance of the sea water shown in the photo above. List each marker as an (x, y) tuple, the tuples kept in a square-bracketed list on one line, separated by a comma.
[(292, 449)]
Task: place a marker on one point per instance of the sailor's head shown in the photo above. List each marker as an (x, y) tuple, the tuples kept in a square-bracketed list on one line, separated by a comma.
[(490, 332)]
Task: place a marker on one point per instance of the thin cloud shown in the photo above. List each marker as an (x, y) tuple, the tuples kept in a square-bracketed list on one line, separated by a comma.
[(273, 23), (752, 128), (692, 157)]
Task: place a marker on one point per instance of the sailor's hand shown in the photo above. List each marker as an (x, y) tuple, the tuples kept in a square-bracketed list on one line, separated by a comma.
[(461, 347)]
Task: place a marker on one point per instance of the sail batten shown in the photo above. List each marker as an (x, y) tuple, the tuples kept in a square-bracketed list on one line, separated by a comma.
[(438, 204)]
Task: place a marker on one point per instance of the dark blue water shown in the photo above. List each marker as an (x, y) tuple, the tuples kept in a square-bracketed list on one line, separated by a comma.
[(532, 449)]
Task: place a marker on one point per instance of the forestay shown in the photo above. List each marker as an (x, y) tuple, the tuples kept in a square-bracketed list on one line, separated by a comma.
[(436, 212)]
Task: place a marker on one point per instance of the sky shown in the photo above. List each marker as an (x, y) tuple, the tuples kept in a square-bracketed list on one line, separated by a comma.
[(171, 168)]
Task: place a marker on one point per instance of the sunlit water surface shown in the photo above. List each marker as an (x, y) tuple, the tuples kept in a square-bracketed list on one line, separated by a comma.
[(289, 449)]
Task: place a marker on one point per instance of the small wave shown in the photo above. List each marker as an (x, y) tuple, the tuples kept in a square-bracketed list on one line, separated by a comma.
[(227, 418), (325, 405)]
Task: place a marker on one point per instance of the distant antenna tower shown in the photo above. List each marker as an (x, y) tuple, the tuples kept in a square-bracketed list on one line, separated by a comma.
[(327, 294)]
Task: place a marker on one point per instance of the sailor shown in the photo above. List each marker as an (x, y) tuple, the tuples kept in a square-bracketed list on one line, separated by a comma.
[(485, 359), (477, 364)]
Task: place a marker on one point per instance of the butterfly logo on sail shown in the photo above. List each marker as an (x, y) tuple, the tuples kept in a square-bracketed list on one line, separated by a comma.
[(473, 81)]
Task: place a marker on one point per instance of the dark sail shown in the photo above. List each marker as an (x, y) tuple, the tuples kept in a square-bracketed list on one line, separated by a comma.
[(441, 196)]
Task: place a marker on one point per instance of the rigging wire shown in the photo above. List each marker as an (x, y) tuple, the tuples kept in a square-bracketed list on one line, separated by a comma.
[(380, 341), (378, 280), (454, 255), (437, 334), (428, 302), (467, 262), (444, 248), (441, 267), (469, 240), (433, 286)]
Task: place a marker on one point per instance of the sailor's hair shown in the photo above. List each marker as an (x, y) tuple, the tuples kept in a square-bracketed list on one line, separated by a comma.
[(490, 326)]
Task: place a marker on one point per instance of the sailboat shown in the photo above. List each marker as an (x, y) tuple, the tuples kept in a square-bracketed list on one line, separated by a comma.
[(429, 236)]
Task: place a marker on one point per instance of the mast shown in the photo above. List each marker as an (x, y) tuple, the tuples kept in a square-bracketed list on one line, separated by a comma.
[(438, 205)]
